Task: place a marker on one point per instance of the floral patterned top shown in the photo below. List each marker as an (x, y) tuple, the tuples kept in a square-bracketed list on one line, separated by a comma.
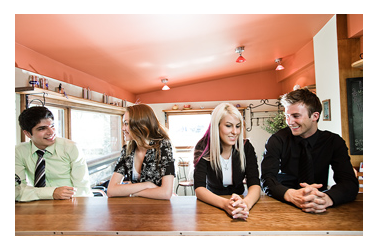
[(151, 170)]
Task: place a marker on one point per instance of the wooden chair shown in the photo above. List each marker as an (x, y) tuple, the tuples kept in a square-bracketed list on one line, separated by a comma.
[(183, 179), (360, 180), (359, 175), (99, 191)]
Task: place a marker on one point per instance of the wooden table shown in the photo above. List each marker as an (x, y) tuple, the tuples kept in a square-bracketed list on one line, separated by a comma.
[(182, 215)]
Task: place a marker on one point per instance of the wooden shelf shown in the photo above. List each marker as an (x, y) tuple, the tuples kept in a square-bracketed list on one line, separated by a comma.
[(194, 110), (358, 64), (73, 99), (190, 111)]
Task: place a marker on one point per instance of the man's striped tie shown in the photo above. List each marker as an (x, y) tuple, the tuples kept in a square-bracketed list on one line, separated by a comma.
[(39, 176)]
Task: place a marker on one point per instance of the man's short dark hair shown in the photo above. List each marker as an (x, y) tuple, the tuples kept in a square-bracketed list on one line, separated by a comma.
[(33, 116), (303, 95)]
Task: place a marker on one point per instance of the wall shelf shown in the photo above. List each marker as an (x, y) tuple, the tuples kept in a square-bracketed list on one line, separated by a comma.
[(358, 64), (191, 111), (66, 98), (206, 110)]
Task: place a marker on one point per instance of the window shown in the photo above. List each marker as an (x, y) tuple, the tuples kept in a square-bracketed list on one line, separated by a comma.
[(186, 130), (94, 126), (59, 120), (97, 134)]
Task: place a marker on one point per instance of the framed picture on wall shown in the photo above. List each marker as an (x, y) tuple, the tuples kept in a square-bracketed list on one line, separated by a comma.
[(326, 110)]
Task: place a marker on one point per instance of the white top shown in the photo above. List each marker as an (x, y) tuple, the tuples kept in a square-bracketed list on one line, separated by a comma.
[(136, 176), (226, 170)]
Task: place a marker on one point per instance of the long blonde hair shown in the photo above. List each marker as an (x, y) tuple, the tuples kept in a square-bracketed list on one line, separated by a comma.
[(209, 147)]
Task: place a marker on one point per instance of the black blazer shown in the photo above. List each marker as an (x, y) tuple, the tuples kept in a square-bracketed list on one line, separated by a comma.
[(204, 176)]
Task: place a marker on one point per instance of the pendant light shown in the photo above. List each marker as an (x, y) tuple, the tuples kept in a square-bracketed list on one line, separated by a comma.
[(279, 66), (165, 87), (240, 50)]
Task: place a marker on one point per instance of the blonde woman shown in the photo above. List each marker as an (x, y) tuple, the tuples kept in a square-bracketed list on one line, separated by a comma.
[(222, 160), (146, 165)]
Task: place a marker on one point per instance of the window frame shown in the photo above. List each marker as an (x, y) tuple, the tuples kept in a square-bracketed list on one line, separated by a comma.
[(170, 112), (185, 144), (108, 158), (67, 103)]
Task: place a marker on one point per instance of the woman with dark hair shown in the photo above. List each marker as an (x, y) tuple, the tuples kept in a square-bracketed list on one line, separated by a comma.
[(146, 160), (222, 160)]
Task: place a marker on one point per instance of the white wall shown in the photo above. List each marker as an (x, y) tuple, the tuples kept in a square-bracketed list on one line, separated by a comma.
[(327, 77), (327, 74)]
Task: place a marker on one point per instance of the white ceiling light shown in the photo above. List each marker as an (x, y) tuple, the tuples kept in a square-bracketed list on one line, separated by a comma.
[(279, 66), (165, 87)]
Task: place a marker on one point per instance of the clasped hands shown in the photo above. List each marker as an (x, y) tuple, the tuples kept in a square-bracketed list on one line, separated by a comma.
[(309, 198), (237, 207)]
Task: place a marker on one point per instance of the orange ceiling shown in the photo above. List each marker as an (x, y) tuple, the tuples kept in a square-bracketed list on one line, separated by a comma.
[(135, 51)]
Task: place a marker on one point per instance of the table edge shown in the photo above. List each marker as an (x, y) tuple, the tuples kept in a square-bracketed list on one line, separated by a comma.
[(189, 233)]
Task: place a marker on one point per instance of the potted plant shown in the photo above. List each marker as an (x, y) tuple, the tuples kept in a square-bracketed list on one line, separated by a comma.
[(276, 123)]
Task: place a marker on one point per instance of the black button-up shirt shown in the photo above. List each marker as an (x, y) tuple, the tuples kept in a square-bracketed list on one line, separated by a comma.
[(279, 166)]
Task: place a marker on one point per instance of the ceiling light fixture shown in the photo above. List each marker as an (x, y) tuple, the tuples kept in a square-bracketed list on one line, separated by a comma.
[(240, 50), (279, 66), (165, 87)]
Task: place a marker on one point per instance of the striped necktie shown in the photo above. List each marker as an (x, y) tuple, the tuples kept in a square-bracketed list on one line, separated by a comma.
[(39, 175)]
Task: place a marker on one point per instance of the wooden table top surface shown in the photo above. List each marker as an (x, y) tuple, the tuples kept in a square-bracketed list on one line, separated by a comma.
[(182, 215)]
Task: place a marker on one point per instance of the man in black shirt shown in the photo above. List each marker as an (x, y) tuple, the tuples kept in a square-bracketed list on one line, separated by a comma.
[(297, 158)]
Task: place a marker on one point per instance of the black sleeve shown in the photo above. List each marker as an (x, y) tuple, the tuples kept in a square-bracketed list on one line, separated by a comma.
[(120, 167), (270, 167), (167, 158), (251, 167), (346, 187), (200, 173)]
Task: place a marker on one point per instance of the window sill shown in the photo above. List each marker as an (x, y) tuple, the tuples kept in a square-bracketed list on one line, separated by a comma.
[(99, 164)]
